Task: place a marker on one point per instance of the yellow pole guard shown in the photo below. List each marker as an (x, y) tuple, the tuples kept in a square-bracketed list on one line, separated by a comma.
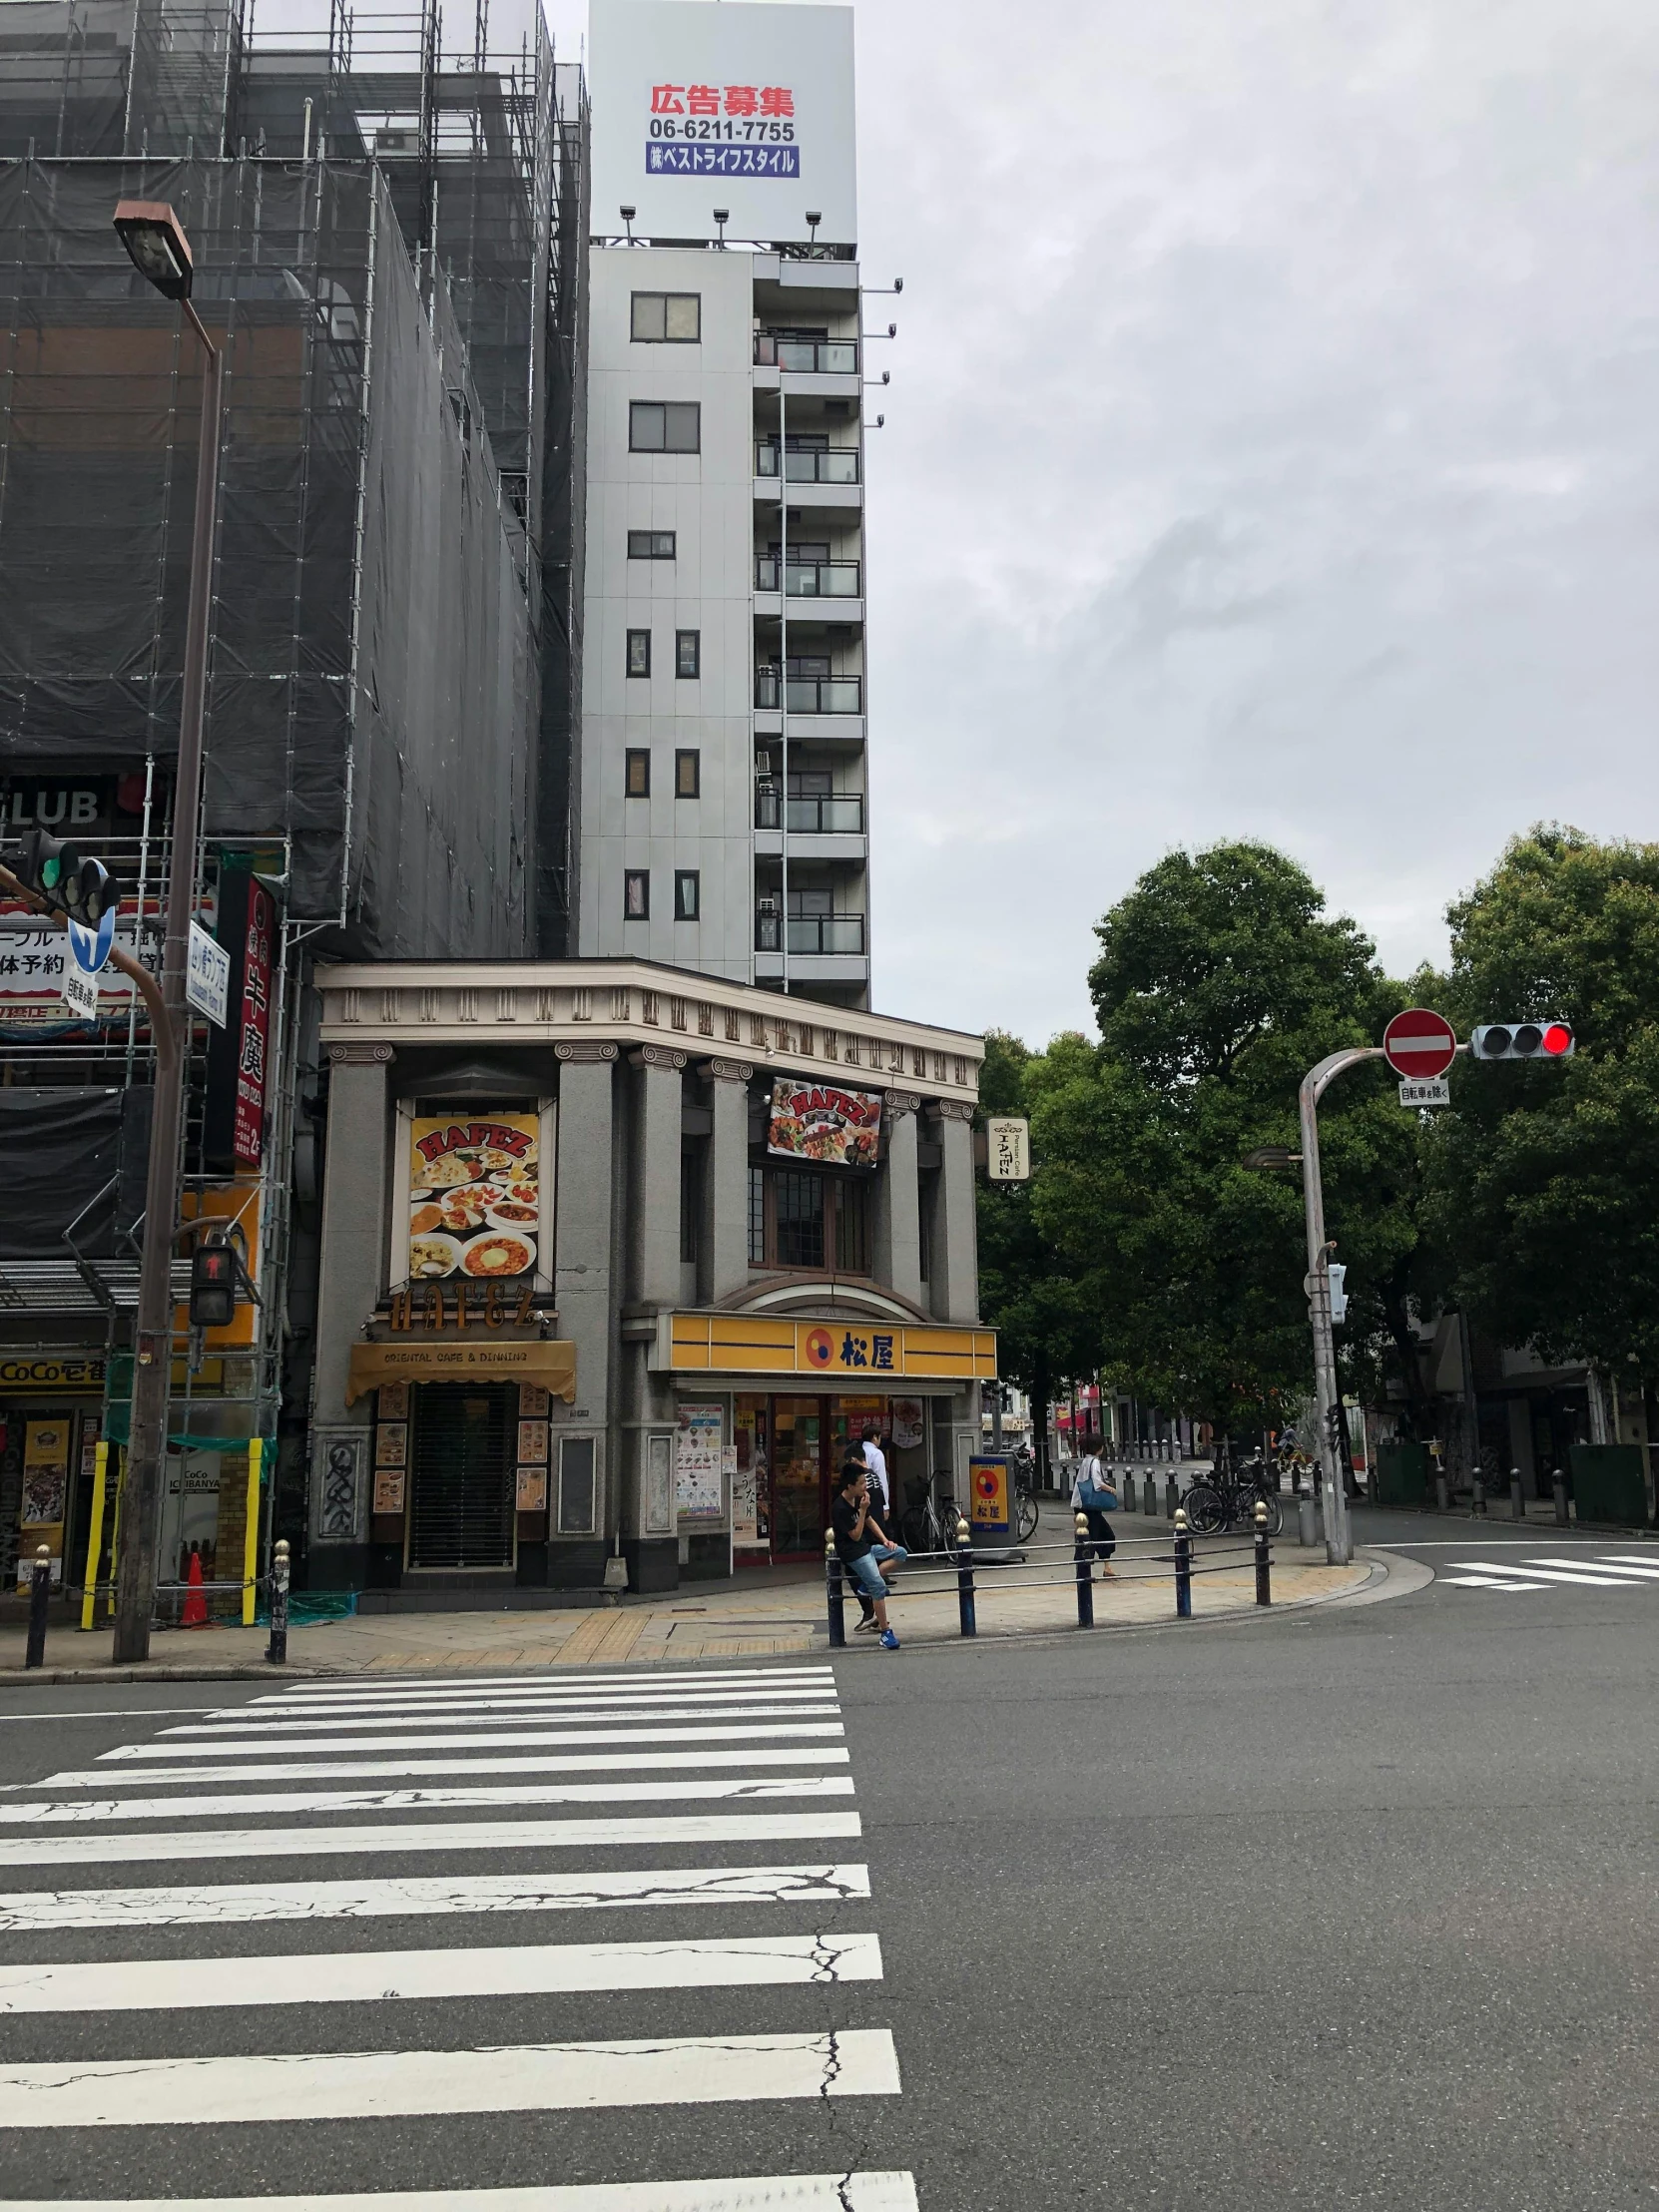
[(95, 1532), (250, 1534)]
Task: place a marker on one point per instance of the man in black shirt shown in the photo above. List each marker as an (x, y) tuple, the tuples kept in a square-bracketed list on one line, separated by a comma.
[(863, 1548)]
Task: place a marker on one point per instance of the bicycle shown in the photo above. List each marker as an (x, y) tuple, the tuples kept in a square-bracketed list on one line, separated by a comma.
[(928, 1524), (1214, 1508), (1026, 1515)]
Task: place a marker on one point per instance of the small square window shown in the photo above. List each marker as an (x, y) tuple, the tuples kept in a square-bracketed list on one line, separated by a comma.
[(651, 545), (667, 318), (637, 774), (687, 894), (688, 774), (636, 894), (665, 426), (687, 652), (638, 652)]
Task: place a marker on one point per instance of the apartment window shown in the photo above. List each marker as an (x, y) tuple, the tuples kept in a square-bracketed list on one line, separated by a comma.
[(636, 774), (757, 1217), (688, 652), (667, 318), (688, 893), (665, 426), (851, 1205), (651, 545), (801, 1217), (798, 1211), (690, 1203), (638, 652), (688, 774), (636, 894)]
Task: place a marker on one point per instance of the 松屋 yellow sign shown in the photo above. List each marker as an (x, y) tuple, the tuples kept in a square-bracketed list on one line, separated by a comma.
[(867, 1351)]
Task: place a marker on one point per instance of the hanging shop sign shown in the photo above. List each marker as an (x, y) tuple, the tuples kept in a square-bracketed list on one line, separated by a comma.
[(434, 1307), (35, 1376), (247, 1142), (552, 1364), (699, 1460), (822, 1122), (743, 1344), (906, 1424), (474, 1197)]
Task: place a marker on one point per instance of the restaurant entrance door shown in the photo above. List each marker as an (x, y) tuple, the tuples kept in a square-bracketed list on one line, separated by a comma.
[(799, 1481)]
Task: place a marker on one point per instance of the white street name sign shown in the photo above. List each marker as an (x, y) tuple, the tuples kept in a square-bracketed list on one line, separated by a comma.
[(208, 976), (1426, 1091)]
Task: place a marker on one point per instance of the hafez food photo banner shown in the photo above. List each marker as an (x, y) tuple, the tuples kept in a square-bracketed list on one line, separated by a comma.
[(474, 1197), (743, 108), (823, 1122)]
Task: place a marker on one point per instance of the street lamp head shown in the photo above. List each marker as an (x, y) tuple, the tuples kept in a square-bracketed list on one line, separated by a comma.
[(1273, 1156), (156, 244)]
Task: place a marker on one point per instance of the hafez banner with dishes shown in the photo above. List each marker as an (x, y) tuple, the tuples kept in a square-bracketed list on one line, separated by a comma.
[(475, 1196), (820, 1120), (743, 108)]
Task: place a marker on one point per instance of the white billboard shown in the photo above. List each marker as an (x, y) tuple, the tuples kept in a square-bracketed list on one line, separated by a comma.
[(706, 104)]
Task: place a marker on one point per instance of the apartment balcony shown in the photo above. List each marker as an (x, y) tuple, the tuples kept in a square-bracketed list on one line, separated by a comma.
[(808, 695), (809, 579), (806, 357), (830, 829), (812, 936), (837, 465)]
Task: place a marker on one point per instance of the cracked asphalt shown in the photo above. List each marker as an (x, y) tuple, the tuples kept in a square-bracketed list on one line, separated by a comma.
[(1349, 1908)]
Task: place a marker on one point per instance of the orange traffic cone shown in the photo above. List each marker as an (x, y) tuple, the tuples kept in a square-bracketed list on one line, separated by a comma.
[(196, 1605)]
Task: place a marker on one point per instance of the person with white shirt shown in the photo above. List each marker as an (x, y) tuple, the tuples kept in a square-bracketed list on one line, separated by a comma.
[(1089, 1490), (875, 1463)]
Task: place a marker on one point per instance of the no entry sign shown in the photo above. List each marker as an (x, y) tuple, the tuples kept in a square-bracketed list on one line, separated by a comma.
[(1419, 1044)]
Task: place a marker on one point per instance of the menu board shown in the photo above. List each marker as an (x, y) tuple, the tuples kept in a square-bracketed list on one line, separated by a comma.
[(475, 1196), (820, 1120), (699, 1461)]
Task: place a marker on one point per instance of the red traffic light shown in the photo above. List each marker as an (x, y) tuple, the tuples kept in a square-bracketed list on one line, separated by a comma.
[(1557, 1039)]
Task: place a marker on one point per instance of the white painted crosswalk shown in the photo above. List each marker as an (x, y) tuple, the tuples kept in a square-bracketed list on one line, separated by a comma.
[(354, 1774), (1554, 1571)]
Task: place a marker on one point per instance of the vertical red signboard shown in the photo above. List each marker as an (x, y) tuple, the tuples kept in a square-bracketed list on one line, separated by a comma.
[(249, 1137)]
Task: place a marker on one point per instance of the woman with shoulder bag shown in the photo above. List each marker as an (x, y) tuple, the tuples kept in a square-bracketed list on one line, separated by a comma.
[(1093, 1496)]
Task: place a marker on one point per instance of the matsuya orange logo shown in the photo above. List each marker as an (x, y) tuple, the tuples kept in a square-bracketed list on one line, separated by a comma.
[(821, 1347)]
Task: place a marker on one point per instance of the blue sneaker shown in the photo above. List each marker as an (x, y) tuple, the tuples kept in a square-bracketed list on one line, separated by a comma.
[(889, 1642)]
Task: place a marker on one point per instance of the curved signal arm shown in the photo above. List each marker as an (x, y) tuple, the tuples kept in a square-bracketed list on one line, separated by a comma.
[(161, 1021)]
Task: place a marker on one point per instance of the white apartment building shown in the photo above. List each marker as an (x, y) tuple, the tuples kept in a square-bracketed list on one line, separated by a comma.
[(722, 794)]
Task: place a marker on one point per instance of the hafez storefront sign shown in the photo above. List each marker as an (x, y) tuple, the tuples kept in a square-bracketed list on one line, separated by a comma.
[(823, 1122), (754, 99)]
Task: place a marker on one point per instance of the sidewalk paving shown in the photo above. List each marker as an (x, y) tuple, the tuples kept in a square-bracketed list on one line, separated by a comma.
[(767, 1613)]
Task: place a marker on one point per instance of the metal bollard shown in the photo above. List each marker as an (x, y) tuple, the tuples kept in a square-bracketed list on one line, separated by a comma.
[(1517, 1500), (277, 1651), (964, 1578), (1442, 1494), (835, 1593), (1172, 1495), (40, 1590), (1264, 1562), (1307, 1530), (1478, 1499), (1183, 1567), (1559, 1489), (1296, 1478), (1085, 1588), (1149, 1496)]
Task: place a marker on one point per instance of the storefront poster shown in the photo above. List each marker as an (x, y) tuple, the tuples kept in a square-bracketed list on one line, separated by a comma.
[(988, 1495), (475, 1196), (532, 1489), (697, 1461), (45, 1474), (823, 1122), (391, 1444), (750, 1495), (388, 1490), (906, 1424)]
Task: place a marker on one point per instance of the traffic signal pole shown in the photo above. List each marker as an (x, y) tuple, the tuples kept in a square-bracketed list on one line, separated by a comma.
[(135, 1571), (1339, 1533)]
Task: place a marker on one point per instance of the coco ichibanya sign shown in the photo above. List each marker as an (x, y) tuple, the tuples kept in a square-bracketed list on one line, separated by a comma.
[(754, 99)]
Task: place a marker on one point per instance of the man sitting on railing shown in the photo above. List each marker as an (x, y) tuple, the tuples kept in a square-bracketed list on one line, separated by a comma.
[(868, 1559)]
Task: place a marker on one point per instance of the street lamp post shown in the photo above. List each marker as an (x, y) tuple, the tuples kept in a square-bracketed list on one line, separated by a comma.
[(156, 243)]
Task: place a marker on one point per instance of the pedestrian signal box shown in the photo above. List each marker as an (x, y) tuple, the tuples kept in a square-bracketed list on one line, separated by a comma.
[(213, 1285)]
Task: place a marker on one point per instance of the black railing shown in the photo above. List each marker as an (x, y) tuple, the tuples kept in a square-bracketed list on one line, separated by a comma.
[(836, 815), (810, 933), (839, 465), (808, 579), (806, 357), (810, 695)]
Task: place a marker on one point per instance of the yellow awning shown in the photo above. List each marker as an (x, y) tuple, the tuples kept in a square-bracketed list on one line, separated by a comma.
[(462, 1360)]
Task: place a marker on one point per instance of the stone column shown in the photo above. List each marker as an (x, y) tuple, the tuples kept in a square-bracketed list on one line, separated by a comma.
[(955, 1275), (650, 1537), (583, 1287), (726, 1194), (898, 1202), (350, 1279)]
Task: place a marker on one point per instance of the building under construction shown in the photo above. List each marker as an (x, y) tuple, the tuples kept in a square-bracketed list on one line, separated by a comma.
[(388, 235)]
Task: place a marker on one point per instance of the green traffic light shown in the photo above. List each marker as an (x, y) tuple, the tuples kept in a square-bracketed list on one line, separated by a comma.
[(52, 870)]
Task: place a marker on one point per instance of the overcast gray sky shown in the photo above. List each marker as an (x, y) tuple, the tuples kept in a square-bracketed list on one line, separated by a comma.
[(1272, 452)]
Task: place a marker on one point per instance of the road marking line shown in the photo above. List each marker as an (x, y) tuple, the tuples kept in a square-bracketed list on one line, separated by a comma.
[(246, 1805), (857, 2192), (113, 1713), (410, 2084), (483, 1727), (1613, 1567), (338, 1770), (561, 1693), (225, 1903), (474, 1740), (1637, 1566), (372, 1977), (318, 1843), (580, 1684), (1607, 1581), (1489, 1582)]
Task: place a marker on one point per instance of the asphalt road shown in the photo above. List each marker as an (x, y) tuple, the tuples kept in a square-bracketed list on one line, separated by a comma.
[(1348, 1908)]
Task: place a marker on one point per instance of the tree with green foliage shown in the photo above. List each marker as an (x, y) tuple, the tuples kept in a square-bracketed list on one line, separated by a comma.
[(1543, 1184)]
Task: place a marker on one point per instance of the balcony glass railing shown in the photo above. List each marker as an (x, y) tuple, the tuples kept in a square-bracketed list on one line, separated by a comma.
[(810, 695), (838, 816), (840, 465), (808, 579), (810, 933), (806, 357)]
